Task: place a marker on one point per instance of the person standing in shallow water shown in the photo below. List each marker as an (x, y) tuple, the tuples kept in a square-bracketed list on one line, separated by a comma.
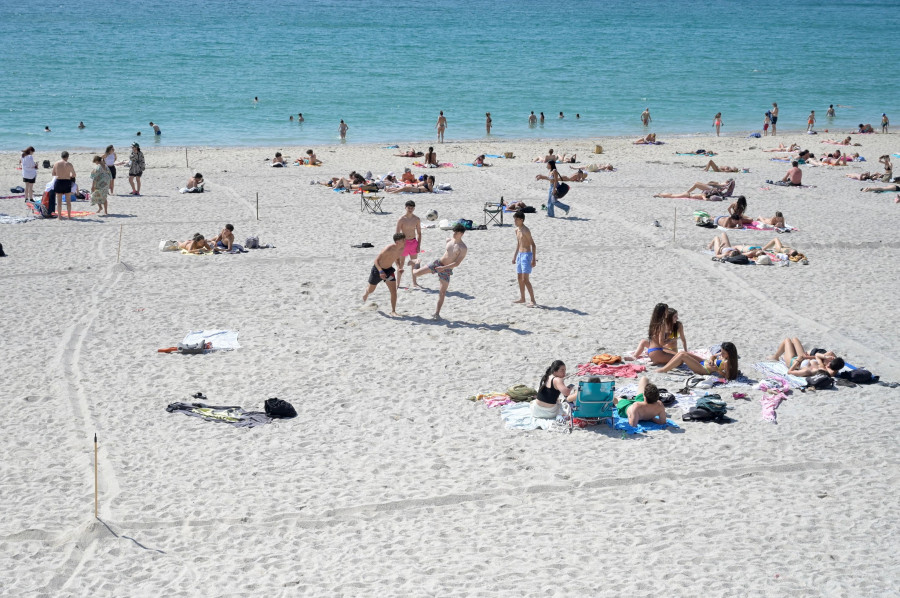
[(645, 117), (487, 122), (774, 117), (342, 129), (717, 122), (440, 126)]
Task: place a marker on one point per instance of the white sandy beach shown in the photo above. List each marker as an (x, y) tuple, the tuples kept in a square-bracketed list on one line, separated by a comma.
[(391, 483)]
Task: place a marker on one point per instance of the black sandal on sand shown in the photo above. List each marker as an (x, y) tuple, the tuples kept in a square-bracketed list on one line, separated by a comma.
[(199, 395)]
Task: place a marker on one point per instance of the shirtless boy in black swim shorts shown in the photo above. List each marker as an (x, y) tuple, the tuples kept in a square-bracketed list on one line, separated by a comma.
[(383, 269)]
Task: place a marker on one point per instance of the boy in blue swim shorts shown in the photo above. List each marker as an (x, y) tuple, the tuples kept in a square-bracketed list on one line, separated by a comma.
[(524, 258)]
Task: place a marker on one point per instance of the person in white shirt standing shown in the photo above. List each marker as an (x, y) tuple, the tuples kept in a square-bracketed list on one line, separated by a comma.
[(109, 156), (29, 172)]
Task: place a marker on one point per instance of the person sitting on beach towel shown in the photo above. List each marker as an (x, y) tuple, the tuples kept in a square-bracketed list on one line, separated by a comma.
[(716, 168), (724, 363), (645, 406), (661, 343), (546, 405), (278, 161), (311, 159), (794, 176), (479, 161), (198, 244), (800, 363), (408, 177), (431, 159), (551, 156), (410, 153), (737, 209), (865, 128), (225, 240), (194, 184)]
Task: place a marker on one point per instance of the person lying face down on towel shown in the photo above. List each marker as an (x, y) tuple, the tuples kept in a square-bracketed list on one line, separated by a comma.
[(198, 244), (645, 406), (800, 363)]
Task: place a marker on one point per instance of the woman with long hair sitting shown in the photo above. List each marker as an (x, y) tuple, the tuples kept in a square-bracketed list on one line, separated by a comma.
[(724, 363)]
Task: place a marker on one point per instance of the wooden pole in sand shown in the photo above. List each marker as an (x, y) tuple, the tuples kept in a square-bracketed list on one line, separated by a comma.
[(186, 165), (119, 252), (257, 205), (673, 225), (96, 501)]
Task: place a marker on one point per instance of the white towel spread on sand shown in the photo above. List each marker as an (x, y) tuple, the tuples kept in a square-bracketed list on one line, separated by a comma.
[(7, 219), (222, 340)]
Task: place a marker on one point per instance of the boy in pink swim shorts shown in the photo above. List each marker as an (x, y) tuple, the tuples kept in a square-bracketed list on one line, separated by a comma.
[(411, 226)]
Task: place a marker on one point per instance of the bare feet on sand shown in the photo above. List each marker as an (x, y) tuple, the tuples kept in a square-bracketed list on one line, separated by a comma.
[(522, 300)]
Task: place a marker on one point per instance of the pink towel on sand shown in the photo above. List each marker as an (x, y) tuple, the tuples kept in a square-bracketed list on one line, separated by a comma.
[(629, 370), (769, 404)]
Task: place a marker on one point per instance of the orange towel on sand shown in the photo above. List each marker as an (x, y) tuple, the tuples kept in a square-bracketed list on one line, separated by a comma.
[(605, 359)]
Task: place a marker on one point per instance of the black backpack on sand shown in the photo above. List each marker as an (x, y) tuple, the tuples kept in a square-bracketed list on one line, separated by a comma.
[(708, 408), (820, 381), (279, 409)]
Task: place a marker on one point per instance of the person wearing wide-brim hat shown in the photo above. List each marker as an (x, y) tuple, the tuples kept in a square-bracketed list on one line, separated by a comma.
[(136, 169)]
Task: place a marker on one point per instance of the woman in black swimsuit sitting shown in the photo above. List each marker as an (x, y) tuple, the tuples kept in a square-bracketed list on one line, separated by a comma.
[(546, 405)]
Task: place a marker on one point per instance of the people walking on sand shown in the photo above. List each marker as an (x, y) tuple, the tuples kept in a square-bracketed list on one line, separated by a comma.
[(342, 129), (136, 170), (65, 177), (645, 117), (774, 117), (441, 126), (109, 158), (383, 270), (487, 122), (811, 121), (29, 172), (884, 123), (554, 194), (524, 258), (411, 226), (156, 130), (532, 119), (454, 254), (100, 182), (717, 122), (830, 112)]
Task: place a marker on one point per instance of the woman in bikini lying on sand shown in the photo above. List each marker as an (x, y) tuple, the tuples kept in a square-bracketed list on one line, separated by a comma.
[(722, 247), (666, 337), (578, 177), (198, 244), (777, 221), (884, 177), (596, 167), (800, 363), (724, 363), (725, 188), (833, 142), (781, 148), (426, 186), (410, 153), (650, 139), (716, 168)]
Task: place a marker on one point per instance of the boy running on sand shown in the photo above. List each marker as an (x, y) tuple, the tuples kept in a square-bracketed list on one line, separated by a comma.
[(411, 226), (524, 258), (453, 256), (383, 269)]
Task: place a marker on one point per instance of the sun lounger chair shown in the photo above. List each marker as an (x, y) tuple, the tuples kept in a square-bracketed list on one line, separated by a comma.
[(593, 402)]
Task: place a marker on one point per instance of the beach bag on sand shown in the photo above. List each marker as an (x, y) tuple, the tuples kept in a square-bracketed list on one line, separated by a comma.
[(521, 393), (279, 409), (857, 376), (820, 381), (168, 245), (46, 164), (708, 408), (560, 191), (738, 259), (251, 243)]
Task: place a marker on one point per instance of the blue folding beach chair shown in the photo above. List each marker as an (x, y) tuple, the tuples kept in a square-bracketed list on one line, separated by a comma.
[(594, 402)]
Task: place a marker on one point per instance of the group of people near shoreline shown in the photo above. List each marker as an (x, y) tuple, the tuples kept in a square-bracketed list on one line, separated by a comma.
[(63, 186)]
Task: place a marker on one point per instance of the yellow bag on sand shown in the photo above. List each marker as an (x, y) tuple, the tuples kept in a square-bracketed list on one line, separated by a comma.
[(598, 149)]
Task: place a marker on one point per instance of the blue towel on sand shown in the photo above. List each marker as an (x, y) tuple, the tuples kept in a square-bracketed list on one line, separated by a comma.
[(620, 423), (493, 156)]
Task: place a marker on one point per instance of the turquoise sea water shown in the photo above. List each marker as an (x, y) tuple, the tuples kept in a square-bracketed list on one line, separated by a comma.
[(388, 68)]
